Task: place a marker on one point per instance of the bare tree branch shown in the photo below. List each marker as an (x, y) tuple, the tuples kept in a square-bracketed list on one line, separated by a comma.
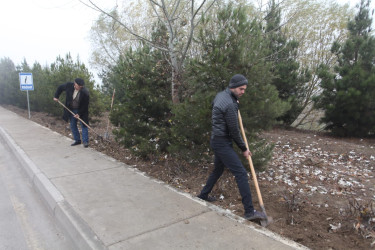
[(127, 28), (175, 8), (156, 3)]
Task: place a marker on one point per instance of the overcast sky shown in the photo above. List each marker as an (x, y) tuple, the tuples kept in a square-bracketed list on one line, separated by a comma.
[(41, 30)]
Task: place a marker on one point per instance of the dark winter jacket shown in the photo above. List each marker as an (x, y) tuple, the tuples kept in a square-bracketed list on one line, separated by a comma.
[(84, 99), (225, 118)]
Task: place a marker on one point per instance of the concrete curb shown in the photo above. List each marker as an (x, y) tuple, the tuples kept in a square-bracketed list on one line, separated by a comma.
[(74, 226)]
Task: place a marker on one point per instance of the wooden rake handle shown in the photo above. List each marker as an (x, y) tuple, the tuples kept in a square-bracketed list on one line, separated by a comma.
[(251, 162), (73, 114)]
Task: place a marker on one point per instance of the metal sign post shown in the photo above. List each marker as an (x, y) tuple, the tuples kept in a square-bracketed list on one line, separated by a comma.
[(26, 84)]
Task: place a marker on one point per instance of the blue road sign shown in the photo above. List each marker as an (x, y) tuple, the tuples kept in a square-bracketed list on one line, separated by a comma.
[(26, 81)]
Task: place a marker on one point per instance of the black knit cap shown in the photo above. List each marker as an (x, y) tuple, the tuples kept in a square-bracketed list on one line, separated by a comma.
[(79, 81), (237, 81)]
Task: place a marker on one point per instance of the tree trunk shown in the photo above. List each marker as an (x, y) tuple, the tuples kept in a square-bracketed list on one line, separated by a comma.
[(176, 76), (176, 70)]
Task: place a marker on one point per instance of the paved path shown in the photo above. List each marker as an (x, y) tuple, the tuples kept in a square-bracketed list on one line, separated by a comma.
[(106, 204)]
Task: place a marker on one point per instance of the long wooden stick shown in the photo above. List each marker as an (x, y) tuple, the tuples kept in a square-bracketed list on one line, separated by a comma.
[(251, 165)]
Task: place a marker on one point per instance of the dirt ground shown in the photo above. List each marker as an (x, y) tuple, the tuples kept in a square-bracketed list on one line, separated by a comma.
[(319, 190)]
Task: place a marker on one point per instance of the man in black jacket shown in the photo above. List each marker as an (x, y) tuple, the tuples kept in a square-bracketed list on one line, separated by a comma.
[(225, 129), (77, 100)]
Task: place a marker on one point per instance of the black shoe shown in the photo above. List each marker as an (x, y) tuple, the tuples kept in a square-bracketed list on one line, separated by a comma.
[(76, 143), (255, 216), (86, 144), (208, 198)]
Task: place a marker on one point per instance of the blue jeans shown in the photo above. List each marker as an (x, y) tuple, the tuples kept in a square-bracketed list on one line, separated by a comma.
[(75, 131), (226, 156)]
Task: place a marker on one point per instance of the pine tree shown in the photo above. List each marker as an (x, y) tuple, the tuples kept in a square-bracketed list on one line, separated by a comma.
[(142, 109), (348, 93), (288, 80)]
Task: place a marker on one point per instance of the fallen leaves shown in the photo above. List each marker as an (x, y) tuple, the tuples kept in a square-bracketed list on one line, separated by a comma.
[(306, 171), (310, 170)]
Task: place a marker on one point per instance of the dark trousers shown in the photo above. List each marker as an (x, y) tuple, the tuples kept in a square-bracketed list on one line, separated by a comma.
[(226, 156)]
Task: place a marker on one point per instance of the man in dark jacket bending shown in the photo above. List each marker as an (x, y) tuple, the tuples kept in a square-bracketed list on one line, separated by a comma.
[(225, 129), (77, 100)]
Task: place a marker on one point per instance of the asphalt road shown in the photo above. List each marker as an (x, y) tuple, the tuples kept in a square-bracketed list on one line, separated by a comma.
[(25, 222)]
